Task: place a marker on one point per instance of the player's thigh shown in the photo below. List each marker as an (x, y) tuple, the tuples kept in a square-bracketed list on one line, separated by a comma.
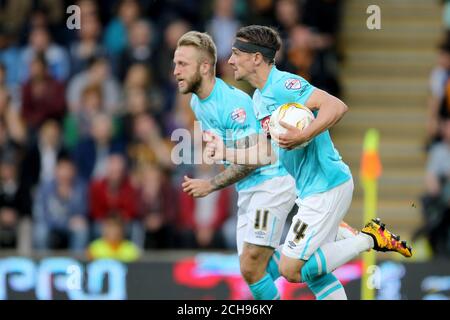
[(317, 221), (253, 257), (268, 210), (340, 199), (265, 226), (262, 212)]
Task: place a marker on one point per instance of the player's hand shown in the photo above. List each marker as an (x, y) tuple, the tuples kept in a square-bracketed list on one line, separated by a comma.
[(292, 138), (197, 188), (215, 148)]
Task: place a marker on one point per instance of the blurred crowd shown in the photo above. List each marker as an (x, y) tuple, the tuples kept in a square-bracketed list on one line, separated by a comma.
[(436, 200), (86, 117)]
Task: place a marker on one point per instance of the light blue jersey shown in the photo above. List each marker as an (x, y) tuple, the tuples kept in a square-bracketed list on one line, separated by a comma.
[(316, 168), (228, 112)]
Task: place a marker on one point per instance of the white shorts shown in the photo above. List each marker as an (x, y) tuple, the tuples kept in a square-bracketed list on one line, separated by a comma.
[(263, 211), (317, 221)]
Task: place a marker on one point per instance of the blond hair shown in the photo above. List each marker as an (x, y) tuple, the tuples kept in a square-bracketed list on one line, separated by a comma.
[(203, 42)]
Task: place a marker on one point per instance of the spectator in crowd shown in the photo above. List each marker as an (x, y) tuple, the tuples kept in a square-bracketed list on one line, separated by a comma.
[(9, 76), (60, 211), (98, 73), (91, 153), (260, 12), (322, 17), (41, 157), (142, 93), (56, 56), (87, 46), (294, 56), (438, 92), (88, 8), (115, 193), (42, 96), (138, 76), (436, 202), (15, 201), (148, 146), (136, 102), (200, 220), (140, 47), (116, 33), (446, 14), (287, 14), (78, 125), (172, 33), (112, 244), (6, 144), (299, 52), (157, 207), (223, 27), (101, 9), (48, 14), (309, 42), (183, 117), (14, 14), (11, 119)]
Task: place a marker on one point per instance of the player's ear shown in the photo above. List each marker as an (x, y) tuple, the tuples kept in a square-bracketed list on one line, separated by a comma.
[(258, 58), (204, 67)]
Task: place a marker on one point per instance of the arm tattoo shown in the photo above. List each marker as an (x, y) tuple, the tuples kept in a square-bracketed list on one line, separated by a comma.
[(230, 175), (235, 172)]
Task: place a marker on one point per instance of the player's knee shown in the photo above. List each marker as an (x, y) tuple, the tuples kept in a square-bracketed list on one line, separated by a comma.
[(250, 273), (252, 266), (289, 273), (253, 254)]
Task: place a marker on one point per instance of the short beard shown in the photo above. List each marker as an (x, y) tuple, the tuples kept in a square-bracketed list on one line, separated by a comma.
[(195, 84)]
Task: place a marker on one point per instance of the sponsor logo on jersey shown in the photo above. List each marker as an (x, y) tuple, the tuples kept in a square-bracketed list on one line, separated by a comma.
[(239, 115), (292, 84), (265, 125)]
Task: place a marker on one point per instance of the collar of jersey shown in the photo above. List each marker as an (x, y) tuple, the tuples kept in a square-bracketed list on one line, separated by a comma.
[(212, 92)]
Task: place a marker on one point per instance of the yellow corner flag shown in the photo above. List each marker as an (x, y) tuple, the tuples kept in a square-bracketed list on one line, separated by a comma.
[(370, 171)]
